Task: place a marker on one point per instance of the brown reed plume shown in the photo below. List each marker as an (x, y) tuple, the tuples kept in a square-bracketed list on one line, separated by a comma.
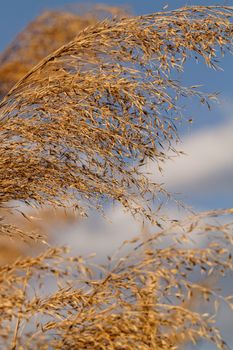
[(142, 300), (76, 128), (75, 131), (46, 33)]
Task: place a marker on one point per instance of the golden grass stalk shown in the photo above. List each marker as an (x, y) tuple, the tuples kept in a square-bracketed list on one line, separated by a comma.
[(76, 128), (74, 131), (142, 300)]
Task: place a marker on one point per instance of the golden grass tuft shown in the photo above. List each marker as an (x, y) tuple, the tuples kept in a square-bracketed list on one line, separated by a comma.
[(82, 122), (145, 299), (75, 131)]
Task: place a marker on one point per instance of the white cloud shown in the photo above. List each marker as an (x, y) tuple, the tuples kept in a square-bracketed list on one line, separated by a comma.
[(207, 163), (99, 235)]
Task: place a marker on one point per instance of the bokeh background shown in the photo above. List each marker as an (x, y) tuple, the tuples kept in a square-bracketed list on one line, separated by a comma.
[(203, 177)]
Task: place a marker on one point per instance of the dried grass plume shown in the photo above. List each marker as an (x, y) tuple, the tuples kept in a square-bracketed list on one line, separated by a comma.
[(75, 131)]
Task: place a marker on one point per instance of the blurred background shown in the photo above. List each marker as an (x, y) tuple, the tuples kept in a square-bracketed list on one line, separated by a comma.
[(203, 177)]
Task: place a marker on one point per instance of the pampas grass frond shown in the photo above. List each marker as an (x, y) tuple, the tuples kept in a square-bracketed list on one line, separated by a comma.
[(145, 299), (76, 128), (75, 131)]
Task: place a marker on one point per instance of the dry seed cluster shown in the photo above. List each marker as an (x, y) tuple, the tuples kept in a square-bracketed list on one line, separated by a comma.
[(112, 87)]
